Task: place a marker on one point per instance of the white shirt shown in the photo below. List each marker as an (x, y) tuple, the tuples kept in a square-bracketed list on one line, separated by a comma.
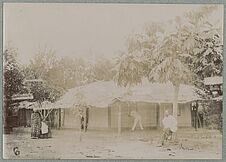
[(170, 122), (135, 114)]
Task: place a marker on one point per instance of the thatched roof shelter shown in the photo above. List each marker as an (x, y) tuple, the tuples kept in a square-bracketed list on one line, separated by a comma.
[(103, 93)]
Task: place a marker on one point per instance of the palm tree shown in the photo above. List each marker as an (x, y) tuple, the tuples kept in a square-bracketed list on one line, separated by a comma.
[(129, 71), (169, 66), (129, 67)]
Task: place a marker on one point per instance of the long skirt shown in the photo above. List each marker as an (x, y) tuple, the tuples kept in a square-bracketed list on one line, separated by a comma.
[(35, 125)]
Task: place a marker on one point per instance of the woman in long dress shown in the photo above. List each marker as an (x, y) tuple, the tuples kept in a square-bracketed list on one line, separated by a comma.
[(35, 124)]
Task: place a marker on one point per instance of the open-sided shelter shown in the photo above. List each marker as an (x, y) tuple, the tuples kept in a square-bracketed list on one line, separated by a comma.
[(109, 105)]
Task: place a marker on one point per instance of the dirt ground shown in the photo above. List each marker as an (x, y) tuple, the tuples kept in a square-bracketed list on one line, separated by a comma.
[(66, 144)]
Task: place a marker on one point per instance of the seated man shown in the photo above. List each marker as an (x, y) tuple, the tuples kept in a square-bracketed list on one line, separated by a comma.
[(137, 119), (169, 126)]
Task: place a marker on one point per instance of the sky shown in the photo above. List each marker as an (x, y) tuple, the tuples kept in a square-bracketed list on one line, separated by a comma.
[(80, 30)]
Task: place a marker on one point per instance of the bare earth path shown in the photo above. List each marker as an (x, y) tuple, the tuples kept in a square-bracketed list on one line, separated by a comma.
[(65, 144)]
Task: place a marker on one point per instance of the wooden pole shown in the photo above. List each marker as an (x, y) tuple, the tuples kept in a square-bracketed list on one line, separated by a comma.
[(85, 119), (59, 118), (63, 117), (160, 114), (49, 117), (109, 116), (80, 127), (119, 120), (157, 107), (175, 101), (80, 131)]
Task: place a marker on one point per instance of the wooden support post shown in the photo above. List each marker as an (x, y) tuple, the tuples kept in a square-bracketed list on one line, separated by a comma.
[(119, 120), (59, 118), (196, 120), (109, 116), (157, 109), (63, 117), (49, 117), (136, 106), (160, 114), (80, 127), (85, 119)]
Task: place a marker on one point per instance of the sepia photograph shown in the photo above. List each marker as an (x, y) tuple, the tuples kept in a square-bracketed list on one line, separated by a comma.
[(112, 81)]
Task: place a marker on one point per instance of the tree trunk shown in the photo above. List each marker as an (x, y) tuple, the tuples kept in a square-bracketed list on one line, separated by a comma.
[(175, 100)]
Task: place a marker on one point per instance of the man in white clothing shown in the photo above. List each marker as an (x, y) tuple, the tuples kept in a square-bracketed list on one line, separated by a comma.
[(169, 126), (137, 119)]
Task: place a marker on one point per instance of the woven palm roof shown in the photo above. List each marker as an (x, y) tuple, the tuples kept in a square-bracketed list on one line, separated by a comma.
[(103, 93)]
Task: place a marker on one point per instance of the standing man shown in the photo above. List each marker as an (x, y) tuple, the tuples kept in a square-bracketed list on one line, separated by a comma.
[(194, 107), (84, 119), (137, 119)]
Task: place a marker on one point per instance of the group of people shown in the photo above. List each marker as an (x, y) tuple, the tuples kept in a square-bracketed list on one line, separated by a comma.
[(169, 125), (40, 129)]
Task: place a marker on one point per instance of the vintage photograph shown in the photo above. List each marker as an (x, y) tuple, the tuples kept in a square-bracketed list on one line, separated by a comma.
[(112, 81)]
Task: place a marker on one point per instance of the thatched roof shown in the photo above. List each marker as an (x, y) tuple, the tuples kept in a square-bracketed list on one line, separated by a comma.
[(103, 93), (98, 94), (34, 105), (162, 93)]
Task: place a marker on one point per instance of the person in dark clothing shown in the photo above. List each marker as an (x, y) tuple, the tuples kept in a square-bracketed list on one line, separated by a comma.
[(35, 124), (84, 123)]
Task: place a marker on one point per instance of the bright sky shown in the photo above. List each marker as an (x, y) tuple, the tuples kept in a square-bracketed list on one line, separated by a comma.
[(87, 30)]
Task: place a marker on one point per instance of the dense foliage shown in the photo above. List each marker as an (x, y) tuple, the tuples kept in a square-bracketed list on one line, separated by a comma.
[(182, 51), (13, 82)]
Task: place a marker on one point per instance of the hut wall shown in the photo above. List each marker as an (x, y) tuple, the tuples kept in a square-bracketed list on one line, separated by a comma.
[(28, 117), (70, 119), (98, 119), (147, 111), (126, 121), (24, 117), (152, 115), (183, 117), (21, 117)]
